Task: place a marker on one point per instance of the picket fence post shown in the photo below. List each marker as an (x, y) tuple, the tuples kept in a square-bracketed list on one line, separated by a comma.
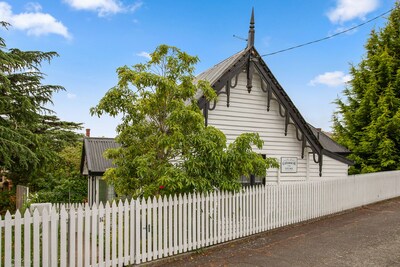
[(101, 211), (120, 235), (7, 238), (71, 239), (78, 217), (63, 237), (107, 229)]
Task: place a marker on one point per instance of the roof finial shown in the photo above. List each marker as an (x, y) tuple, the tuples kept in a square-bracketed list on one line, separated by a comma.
[(250, 40)]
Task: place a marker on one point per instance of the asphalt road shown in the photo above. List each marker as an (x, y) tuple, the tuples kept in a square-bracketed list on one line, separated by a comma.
[(369, 236)]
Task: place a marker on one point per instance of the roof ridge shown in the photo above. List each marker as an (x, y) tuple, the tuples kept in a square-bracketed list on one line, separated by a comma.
[(90, 137), (327, 136), (221, 62)]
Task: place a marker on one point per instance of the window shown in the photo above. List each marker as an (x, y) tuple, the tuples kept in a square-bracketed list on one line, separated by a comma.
[(252, 179)]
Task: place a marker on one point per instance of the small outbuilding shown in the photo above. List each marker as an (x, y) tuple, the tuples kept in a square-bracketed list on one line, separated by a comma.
[(94, 164)]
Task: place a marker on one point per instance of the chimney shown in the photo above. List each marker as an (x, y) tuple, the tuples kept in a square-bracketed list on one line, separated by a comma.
[(87, 132)]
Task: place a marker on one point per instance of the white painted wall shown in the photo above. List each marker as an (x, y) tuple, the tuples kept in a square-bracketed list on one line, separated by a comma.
[(248, 113), (331, 168)]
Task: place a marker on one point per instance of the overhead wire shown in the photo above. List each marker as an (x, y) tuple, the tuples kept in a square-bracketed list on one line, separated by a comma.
[(330, 36)]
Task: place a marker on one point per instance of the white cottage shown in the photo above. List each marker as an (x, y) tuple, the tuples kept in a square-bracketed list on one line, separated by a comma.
[(250, 99)]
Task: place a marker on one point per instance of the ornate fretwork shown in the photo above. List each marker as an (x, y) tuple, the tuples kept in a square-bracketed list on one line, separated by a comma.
[(297, 134), (213, 106), (269, 98), (281, 111), (236, 81), (266, 88), (249, 73), (205, 111), (226, 92), (319, 161), (303, 146), (287, 121)]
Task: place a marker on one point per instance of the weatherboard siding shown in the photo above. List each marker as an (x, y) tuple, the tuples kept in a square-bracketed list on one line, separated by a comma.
[(248, 113), (331, 168)]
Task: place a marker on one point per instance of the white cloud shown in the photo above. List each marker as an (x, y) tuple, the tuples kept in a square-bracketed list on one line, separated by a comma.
[(33, 6), (33, 22), (136, 6), (103, 7), (346, 10), (144, 54), (331, 79), (71, 96)]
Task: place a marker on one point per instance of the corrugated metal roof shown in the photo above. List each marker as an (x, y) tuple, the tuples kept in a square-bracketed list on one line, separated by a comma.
[(94, 148), (214, 73), (327, 143)]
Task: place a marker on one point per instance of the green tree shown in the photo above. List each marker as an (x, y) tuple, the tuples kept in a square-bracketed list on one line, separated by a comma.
[(166, 147), (368, 120), (63, 183), (31, 136)]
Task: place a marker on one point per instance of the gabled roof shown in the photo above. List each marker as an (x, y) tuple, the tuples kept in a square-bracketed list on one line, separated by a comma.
[(93, 155), (327, 143), (213, 74), (250, 61)]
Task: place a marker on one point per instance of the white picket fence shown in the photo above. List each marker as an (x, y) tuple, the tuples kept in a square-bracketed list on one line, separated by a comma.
[(144, 230)]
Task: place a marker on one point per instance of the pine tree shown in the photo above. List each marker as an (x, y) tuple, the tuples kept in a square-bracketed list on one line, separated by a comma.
[(368, 120), (31, 136)]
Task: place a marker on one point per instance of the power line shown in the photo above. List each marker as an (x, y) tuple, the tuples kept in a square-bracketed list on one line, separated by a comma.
[(330, 36), (240, 38)]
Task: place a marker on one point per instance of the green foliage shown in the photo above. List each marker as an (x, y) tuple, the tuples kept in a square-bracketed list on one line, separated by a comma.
[(31, 136), (166, 147), (63, 183), (7, 201), (368, 120)]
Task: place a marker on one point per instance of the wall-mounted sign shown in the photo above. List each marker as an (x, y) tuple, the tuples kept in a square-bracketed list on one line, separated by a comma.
[(288, 165)]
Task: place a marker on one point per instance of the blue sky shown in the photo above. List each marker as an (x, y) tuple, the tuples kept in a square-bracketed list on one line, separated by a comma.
[(95, 37)]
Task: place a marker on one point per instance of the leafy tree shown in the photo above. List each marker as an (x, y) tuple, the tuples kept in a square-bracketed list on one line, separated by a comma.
[(31, 136), (166, 148), (51, 137), (368, 120), (63, 183)]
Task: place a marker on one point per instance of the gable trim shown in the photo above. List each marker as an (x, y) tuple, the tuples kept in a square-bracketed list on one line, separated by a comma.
[(224, 81), (250, 61), (290, 109)]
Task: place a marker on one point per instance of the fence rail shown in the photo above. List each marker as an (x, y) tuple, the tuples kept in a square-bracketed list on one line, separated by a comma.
[(147, 229)]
